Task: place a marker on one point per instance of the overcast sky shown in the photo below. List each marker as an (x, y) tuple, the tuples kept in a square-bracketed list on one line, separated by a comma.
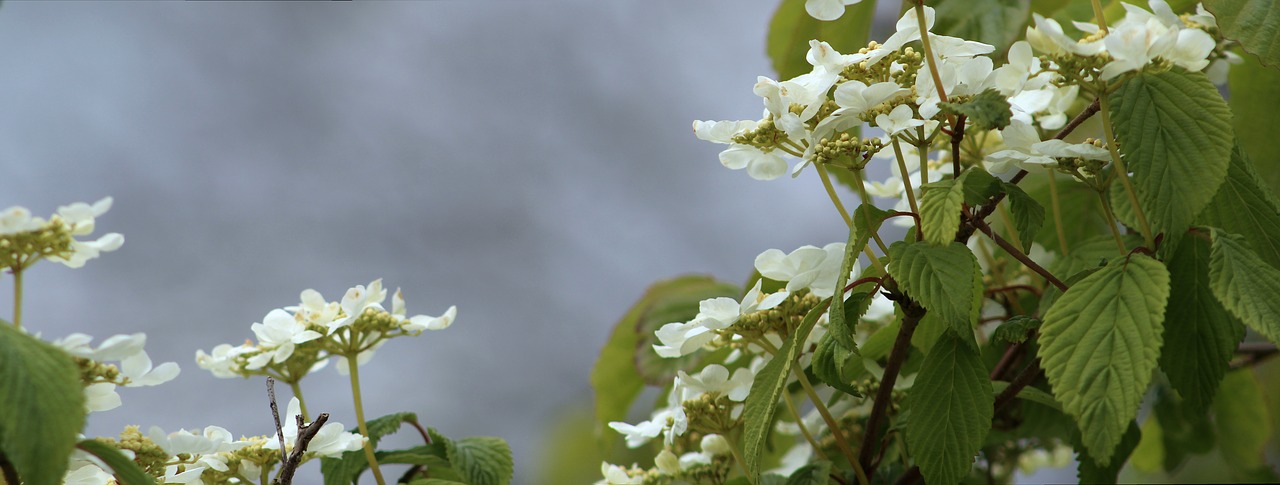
[(530, 162)]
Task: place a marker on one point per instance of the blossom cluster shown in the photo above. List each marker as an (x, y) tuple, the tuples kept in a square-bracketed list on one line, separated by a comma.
[(25, 239), (134, 368)]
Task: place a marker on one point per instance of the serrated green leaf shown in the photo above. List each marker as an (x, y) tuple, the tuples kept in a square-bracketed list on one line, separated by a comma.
[(434, 481), (1244, 205), (1244, 284), (1254, 23), (344, 469), (792, 28), (1242, 418), (1028, 215), (482, 460), (1014, 330), (940, 205), (868, 219), (877, 346), (951, 408), (1174, 131), (811, 474), (1099, 343), (122, 467), (1200, 337), (616, 377), (830, 360), (995, 22), (1091, 470), (928, 331), (1257, 125), (931, 275), (1028, 393), (988, 110), (43, 406), (759, 408), (1078, 204), (979, 186)]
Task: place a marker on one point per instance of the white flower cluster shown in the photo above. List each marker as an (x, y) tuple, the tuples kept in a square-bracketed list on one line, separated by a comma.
[(134, 367), (321, 324), (21, 243), (667, 464)]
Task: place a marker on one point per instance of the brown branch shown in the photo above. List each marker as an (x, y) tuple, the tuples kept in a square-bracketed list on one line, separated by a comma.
[(1024, 379), (1013, 288), (957, 136), (912, 314), (275, 414), (305, 433), (1253, 354), (1018, 254)]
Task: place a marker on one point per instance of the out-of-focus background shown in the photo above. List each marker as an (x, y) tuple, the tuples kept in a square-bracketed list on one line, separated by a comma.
[(530, 162)]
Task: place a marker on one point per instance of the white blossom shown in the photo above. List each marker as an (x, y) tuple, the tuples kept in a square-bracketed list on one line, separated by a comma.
[(331, 441), (827, 9)]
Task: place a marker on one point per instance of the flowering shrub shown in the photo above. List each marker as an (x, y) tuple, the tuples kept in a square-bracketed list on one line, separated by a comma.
[(1083, 231)]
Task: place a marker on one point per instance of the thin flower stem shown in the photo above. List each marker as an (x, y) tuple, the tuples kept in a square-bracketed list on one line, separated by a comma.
[(17, 297), (1056, 203), (1111, 222), (905, 174), (875, 235), (831, 192), (831, 424), (302, 403), (1123, 173), (354, 367), (1017, 254), (1099, 16), (928, 54), (923, 150), (804, 430)]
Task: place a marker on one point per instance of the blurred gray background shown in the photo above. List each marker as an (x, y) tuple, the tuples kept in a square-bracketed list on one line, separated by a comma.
[(531, 162)]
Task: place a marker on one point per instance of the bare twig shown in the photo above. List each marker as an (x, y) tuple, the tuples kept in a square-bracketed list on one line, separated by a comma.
[(1251, 353), (305, 433), (1017, 254), (912, 314), (275, 414)]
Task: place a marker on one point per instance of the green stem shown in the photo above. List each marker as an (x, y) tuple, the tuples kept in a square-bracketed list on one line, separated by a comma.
[(906, 179), (1098, 15), (831, 424), (17, 297), (928, 54), (923, 150), (1057, 213), (875, 235), (1111, 221), (831, 192), (354, 367), (1123, 173), (804, 430), (302, 403)]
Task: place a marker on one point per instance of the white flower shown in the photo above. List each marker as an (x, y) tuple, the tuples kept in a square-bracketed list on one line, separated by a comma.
[(1047, 36), (79, 216), (1024, 150), (101, 396), (1191, 50), (277, 335), (760, 165), (331, 441), (314, 310), (716, 445), (116, 347), (213, 439), (356, 300), (722, 131), (18, 219), (670, 420), (87, 474), (682, 338), (138, 372), (1132, 46), (187, 474), (418, 323), (715, 378), (79, 219), (827, 9), (807, 267), (224, 361), (897, 120), (908, 29), (616, 475)]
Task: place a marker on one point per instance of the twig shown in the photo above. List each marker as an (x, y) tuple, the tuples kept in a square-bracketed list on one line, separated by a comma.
[(275, 414), (1017, 254), (305, 433), (912, 314), (957, 136), (1024, 379), (1253, 353)]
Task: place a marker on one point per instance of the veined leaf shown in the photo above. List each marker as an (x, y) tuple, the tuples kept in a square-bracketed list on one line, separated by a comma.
[(1028, 215), (1255, 23), (1256, 124), (1092, 470), (1244, 284), (1174, 130), (616, 376), (1014, 330), (951, 409), (813, 474), (989, 110), (1099, 343), (1080, 208), (1028, 393), (1199, 335), (868, 219), (792, 28), (481, 460), (1244, 205), (1242, 419), (41, 406), (830, 360), (940, 205), (933, 276), (757, 414)]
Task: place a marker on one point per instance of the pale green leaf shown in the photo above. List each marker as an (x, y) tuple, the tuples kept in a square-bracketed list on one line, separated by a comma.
[(1257, 125), (979, 186), (41, 406), (1014, 330), (759, 408), (877, 345), (830, 360), (122, 467), (481, 460), (868, 219), (951, 408), (1174, 130), (792, 28), (1242, 418), (1255, 23), (1244, 205), (940, 206), (1028, 215), (1244, 284), (933, 276), (995, 22), (1092, 470), (1200, 337), (1099, 343), (988, 110), (1078, 204)]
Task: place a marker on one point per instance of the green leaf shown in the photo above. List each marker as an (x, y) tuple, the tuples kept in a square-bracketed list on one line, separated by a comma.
[(1028, 393), (1256, 123), (877, 346), (616, 376), (934, 276), (1014, 330), (1174, 130), (811, 474), (1028, 215), (988, 110), (1079, 206), (940, 207), (792, 28), (979, 186), (1242, 418), (1244, 205), (1255, 23), (995, 22), (43, 406), (1182, 432), (868, 219), (1244, 284), (951, 408), (344, 469), (830, 360), (481, 460), (1092, 470), (1099, 343), (123, 467), (759, 408), (1200, 337)]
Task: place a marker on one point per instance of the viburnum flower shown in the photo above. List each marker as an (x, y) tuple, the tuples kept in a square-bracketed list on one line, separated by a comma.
[(1025, 150), (617, 475), (224, 361), (277, 335), (670, 420), (683, 338), (1047, 36), (134, 370), (25, 239), (356, 300), (897, 120), (715, 378), (213, 439), (330, 442), (314, 310), (827, 9), (807, 267), (760, 164), (418, 323)]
